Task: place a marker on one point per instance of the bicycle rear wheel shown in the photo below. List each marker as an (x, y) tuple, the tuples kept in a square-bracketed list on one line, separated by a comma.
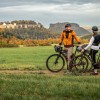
[(98, 60), (55, 63), (80, 64)]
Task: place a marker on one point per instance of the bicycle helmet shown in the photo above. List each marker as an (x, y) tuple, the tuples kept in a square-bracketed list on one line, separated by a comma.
[(94, 28), (67, 25)]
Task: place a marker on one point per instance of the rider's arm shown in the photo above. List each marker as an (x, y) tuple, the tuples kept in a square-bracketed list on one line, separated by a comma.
[(61, 38), (76, 37), (90, 43)]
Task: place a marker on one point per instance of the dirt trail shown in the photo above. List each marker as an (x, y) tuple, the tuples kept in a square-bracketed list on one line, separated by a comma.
[(42, 72), (30, 72)]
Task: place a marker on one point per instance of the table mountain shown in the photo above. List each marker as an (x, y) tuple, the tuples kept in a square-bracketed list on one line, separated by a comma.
[(59, 27)]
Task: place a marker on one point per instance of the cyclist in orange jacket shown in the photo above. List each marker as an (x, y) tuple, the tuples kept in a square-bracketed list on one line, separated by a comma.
[(67, 37)]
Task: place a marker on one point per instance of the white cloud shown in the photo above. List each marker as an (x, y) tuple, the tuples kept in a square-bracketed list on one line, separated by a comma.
[(53, 12), (63, 8)]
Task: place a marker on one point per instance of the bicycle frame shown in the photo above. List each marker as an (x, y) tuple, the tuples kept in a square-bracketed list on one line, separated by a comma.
[(89, 57), (62, 55), (72, 57)]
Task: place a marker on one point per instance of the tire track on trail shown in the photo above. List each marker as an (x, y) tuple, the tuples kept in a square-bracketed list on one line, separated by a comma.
[(39, 72)]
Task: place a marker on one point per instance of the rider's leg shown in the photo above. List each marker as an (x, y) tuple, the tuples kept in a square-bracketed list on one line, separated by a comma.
[(93, 57), (69, 54)]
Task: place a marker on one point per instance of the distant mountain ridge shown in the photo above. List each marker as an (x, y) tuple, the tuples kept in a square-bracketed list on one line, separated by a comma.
[(88, 36), (59, 27), (88, 28), (25, 29), (29, 29), (20, 24)]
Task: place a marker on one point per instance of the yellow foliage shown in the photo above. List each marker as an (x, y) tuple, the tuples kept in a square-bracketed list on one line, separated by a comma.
[(1, 30), (84, 40)]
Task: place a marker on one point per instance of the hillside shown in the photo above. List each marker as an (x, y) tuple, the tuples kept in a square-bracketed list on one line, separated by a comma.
[(28, 29), (30, 33), (58, 27), (88, 28), (24, 29), (88, 36)]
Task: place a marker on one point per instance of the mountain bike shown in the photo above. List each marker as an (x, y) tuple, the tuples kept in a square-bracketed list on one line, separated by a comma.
[(88, 60), (56, 62)]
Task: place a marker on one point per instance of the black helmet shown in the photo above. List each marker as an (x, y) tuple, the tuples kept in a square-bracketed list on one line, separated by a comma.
[(94, 28), (67, 25)]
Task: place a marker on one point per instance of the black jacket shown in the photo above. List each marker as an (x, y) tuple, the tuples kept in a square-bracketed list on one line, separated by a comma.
[(96, 40)]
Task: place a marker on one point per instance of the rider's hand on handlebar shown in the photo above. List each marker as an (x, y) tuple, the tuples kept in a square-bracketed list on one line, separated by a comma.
[(79, 42), (82, 50), (60, 44)]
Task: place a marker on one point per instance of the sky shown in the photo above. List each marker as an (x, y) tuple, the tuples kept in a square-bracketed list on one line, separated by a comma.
[(83, 12)]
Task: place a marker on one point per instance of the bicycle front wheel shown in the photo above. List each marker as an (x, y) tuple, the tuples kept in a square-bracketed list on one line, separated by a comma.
[(55, 63)]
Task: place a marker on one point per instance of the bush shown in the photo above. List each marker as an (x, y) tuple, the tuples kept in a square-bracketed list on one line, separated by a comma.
[(8, 45)]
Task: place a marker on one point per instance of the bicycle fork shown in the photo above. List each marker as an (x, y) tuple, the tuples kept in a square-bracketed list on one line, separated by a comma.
[(56, 61)]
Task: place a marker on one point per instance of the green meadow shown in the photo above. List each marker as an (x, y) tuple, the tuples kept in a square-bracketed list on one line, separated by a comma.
[(25, 58), (43, 87), (40, 86)]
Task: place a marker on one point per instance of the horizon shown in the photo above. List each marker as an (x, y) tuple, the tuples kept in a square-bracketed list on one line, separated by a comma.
[(49, 24)]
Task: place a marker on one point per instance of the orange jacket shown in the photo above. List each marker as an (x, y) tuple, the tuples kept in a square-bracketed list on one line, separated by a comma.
[(68, 42)]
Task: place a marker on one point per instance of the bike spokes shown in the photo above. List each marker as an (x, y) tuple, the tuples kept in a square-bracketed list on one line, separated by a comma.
[(80, 64), (55, 63)]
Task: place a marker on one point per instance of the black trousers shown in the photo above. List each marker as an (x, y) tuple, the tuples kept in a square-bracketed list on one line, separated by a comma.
[(93, 57)]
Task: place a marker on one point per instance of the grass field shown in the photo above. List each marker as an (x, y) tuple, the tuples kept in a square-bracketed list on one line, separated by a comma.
[(39, 86), (43, 87), (28, 58)]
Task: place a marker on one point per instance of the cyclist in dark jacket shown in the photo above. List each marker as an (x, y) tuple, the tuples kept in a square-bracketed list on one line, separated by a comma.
[(94, 45)]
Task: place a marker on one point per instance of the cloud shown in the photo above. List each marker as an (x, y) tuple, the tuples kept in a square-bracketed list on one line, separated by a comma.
[(49, 11), (53, 8), (6, 3)]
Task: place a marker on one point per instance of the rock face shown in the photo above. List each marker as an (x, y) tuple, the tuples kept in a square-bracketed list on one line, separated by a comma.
[(59, 27)]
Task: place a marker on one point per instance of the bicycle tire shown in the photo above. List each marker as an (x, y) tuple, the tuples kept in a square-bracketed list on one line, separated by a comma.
[(58, 58), (82, 65)]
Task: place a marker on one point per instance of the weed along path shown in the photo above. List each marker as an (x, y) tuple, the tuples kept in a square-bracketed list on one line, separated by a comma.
[(45, 85)]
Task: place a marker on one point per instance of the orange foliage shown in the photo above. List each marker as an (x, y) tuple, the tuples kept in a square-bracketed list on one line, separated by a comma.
[(29, 42), (84, 40), (1, 30)]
